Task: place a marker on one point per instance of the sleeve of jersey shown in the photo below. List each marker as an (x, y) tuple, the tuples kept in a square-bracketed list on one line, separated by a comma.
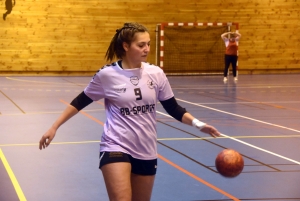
[(165, 90), (81, 101), (173, 109), (95, 90)]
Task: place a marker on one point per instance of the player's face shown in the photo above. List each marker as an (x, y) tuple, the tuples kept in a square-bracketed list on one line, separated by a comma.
[(139, 48), (232, 38)]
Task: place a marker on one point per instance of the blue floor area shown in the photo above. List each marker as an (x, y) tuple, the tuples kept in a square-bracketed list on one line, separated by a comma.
[(259, 117)]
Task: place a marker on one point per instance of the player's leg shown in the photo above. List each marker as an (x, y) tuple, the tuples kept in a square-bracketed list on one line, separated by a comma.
[(227, 64), (233, 63), (142, 186), (117, 181), (116, 170), (142, 178)]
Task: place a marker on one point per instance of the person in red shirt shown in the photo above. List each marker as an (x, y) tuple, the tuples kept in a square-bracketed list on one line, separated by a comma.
[(231, 40)]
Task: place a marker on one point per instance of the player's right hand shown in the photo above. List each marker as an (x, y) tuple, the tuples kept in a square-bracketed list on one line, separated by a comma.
[(47, 138), (211, 131)]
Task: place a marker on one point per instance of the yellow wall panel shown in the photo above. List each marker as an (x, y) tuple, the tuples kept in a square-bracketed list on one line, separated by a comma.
[(71, 37)]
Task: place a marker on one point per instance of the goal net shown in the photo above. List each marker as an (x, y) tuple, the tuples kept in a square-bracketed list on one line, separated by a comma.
[(192, 48)]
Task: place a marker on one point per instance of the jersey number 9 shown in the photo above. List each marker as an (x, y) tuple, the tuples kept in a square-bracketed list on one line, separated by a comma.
[(138, 93)]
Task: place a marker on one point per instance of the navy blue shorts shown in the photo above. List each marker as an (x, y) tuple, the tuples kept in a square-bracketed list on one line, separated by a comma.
[(140, 167)]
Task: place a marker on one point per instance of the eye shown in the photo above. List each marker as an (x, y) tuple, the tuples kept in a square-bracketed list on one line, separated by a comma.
[(142, 45)]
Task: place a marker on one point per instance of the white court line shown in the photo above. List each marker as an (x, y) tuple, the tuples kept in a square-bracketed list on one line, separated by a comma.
[(248, 144), (261, 149), (235, 137), (247, 102), (210, 108), (189, 87)]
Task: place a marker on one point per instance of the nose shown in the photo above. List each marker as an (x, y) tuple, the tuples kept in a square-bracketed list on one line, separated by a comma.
[(147, 48)]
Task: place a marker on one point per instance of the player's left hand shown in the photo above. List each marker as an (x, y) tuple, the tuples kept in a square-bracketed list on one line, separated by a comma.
[(211, 131)]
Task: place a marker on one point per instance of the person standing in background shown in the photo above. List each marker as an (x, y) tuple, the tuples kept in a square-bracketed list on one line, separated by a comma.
[(9, 6), (231, 40)]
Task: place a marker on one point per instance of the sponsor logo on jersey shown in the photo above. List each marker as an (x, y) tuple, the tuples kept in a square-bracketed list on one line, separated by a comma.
[(134, 80), (138, 110), (120, 88), (150, 84)]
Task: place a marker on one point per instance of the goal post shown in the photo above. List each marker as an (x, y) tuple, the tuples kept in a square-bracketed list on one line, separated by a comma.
[(191, 48)]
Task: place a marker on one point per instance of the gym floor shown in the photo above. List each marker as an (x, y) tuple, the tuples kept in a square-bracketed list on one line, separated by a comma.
[(259, 117)]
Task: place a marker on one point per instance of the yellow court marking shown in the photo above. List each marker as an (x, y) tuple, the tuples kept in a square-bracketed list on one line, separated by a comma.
[(31, 81), (52, 143), (12, 177), (159, 139), (54, 112)]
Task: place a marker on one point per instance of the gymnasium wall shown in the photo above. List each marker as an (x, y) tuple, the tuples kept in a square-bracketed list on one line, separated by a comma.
[(52, 37)]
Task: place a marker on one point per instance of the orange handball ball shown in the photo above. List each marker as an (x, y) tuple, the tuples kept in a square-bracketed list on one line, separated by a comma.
[(229, 163)]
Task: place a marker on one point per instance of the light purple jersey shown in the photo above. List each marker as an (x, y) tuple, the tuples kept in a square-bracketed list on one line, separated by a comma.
[(130, 98)]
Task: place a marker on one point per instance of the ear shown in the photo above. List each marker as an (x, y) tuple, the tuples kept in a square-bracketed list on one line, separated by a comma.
[(125, 46)]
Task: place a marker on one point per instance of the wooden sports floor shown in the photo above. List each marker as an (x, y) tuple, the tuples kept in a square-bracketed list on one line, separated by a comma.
[(259, 116)]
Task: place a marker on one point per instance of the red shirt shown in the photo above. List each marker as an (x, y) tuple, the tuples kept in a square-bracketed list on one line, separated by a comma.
[(231, 48)]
